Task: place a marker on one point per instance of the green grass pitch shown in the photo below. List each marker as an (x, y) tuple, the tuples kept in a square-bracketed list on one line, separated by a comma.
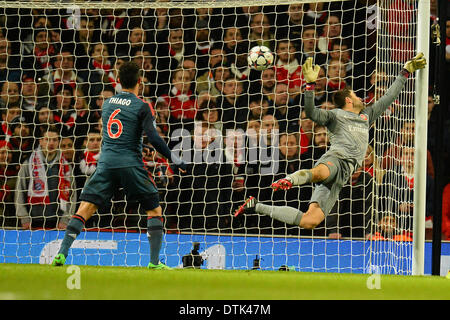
[(44, 282)]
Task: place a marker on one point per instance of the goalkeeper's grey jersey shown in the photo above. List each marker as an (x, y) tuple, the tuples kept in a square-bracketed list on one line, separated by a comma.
[(348, 131)]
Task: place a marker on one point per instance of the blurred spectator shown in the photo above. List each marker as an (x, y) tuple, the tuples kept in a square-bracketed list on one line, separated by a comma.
[(81, 126), (289, 153), (269, 130), (113, 26), (287, 66), (143, 58), (86, 35), (203, 46), (306, 128), (377, 78), (286, 113), (235, 165), (397, 189), (100, 65), (372, 165), (44, 194), (201, 207), (320, 145), (68, 151), (8, 115), (43, 119), (178, 48), (234, 45), (162, 115), (446, 212), (212, 79), (405, 137), (181, 100), (209, 113), (63, 73), (233, 104), (258, 107), (188, 64), (318, 12), (260, 31), (169, 54), (321, 93), (340, 50), (331, 33), (8, 71), (10, 95), (88, 163), (43, 51), (63, 103), (309, 47), (39, 20), (267, 81), (96, 111), (336, 75), (31, 99), (291, 27), (388, 229), (22, 141), (8, 179), (351, 215), (137, 37)]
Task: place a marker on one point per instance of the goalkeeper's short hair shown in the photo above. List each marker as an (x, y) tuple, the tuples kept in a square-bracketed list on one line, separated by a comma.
[(339, 97)]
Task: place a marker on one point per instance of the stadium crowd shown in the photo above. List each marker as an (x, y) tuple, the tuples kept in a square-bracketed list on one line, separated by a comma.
[(55, 74)]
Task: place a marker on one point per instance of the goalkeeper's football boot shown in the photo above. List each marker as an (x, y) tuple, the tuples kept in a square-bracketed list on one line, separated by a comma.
[(59, 260), (248, 206), (159, 266)]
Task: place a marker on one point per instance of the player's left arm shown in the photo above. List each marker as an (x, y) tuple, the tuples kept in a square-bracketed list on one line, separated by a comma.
[(148, 124), (319, 116), (379, 107)]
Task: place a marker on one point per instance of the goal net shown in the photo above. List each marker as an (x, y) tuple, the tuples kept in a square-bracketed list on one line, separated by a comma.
[(239, 129)]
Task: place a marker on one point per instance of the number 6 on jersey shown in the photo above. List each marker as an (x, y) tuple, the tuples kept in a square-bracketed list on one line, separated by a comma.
[(117, 122)]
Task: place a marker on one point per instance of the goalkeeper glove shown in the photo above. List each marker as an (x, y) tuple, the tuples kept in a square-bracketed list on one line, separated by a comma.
[(416, 63), (282, 184), (310, 71)]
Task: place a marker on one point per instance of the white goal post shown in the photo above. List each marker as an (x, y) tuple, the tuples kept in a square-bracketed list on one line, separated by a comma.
[(373, 41)]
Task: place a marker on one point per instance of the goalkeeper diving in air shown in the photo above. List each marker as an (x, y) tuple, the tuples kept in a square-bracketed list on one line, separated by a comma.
[(125, 117), (348, 126)]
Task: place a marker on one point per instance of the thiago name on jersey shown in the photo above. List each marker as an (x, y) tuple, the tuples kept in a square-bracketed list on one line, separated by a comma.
[(121, 101)]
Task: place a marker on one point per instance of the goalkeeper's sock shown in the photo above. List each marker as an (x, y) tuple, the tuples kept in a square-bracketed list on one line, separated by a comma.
[(155, 235), (76, 224), (284, 214), (301, 177)]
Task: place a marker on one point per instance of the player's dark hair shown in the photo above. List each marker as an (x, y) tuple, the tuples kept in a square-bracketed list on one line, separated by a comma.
[(129, 74), (339, 97)]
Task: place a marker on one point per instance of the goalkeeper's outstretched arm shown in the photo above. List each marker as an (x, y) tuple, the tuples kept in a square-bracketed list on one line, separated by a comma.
[(379, 107), (319, 116)]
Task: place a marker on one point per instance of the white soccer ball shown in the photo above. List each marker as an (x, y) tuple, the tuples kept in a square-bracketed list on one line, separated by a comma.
[(260, 58)]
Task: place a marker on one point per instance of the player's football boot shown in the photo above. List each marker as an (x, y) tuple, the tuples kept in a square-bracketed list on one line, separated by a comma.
[(282, 184), (59, 260), (248, 206), (159, 266)]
